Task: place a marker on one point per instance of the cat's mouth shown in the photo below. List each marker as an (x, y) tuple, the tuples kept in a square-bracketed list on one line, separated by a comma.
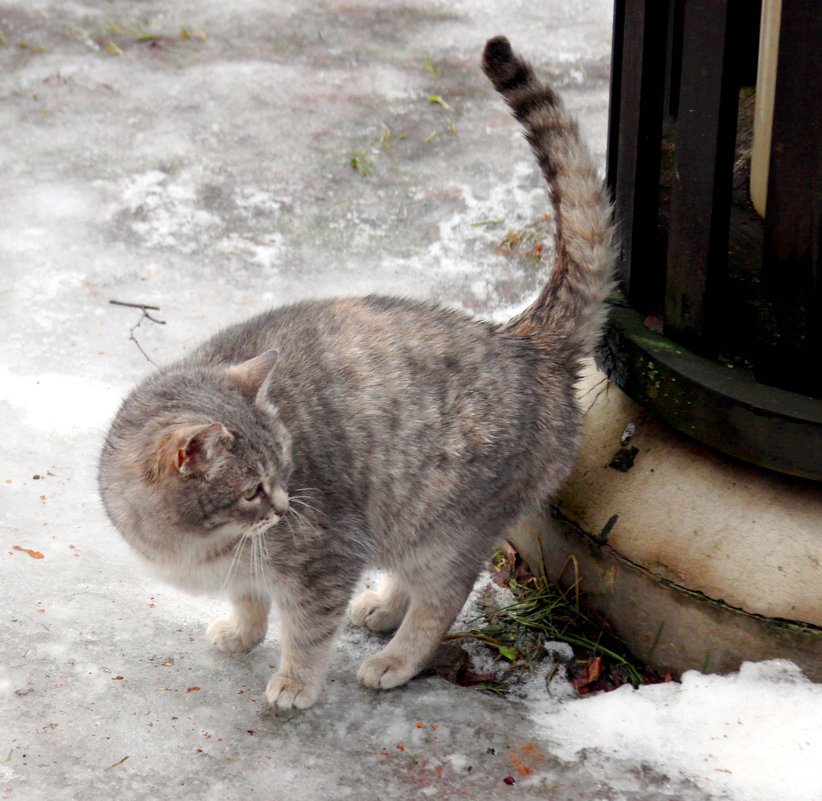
[(261, 526)]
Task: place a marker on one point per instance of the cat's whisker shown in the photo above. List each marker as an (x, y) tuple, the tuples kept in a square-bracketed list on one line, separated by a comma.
[(262, 582), (307, 489), (301, 502), (302, 496), (233, 564), (291, 529), (305, 521), (268, 585), (258, 575), (232, 568), (254, 563)]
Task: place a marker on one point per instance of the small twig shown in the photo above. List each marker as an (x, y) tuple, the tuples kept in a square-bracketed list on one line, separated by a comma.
[(118, 762), (571, 560), (143, 307), (476, 635), (549, 676)]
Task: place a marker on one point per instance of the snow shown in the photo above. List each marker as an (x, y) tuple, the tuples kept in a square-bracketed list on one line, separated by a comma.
[(83, 403), (211, 177), (754, 735)]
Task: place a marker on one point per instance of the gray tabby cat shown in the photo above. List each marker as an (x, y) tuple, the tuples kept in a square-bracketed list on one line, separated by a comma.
[(291, 452)]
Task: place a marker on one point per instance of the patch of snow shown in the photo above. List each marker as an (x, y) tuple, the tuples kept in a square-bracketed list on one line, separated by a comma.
[(755, 735), (163, 210), (58, 402)]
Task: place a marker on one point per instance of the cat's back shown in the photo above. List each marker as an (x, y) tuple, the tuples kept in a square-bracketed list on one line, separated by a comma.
[(385, 330), (364, 370)]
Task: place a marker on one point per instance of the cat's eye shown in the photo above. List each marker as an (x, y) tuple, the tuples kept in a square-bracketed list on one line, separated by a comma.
[(252, 492)]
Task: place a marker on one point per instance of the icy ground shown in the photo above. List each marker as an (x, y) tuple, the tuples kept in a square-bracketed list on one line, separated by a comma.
[(214, 158)]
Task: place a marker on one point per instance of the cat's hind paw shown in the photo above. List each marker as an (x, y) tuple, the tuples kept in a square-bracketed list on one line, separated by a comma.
[(370, 609), (226, 635), (285, 692), (383, 672)]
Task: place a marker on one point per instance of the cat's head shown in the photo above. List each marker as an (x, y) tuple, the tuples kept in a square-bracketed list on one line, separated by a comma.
[(196, 463)]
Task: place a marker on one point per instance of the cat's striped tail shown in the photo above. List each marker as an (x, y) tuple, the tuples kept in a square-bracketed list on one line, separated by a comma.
[(571, 304)]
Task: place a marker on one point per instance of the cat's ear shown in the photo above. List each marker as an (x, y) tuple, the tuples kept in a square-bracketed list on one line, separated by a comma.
[(186, 449), (250, 375), (199, 447)]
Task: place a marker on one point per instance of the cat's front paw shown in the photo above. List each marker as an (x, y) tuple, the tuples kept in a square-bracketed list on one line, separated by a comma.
[(285, 692), (230, 637), (383, 672), (370, 609)]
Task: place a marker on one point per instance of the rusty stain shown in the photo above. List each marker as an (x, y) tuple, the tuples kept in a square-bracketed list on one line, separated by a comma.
[(519, 766), (525, 757)]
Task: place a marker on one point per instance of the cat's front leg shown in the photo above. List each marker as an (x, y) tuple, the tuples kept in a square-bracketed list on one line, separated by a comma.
[(244, 627), (308, 628)]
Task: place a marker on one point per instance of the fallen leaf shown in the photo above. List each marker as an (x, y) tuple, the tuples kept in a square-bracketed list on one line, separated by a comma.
[(507, 652), (193, 690), (32, 554), (655, 323), (438, 101), (592, 672)]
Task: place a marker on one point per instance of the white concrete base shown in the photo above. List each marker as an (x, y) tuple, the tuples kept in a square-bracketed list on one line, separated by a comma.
[(699, 561)]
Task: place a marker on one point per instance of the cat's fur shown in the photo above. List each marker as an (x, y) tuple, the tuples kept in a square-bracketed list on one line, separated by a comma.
[(372, 432)]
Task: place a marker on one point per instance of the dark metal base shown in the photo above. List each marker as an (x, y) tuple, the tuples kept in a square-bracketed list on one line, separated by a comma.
[(721, 406)]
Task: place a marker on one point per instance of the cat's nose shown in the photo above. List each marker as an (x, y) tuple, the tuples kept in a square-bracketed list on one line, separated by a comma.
[(279, 501)]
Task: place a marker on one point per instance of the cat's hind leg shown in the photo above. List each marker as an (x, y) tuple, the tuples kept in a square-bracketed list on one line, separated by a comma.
[(244, 627), (382, 609)]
